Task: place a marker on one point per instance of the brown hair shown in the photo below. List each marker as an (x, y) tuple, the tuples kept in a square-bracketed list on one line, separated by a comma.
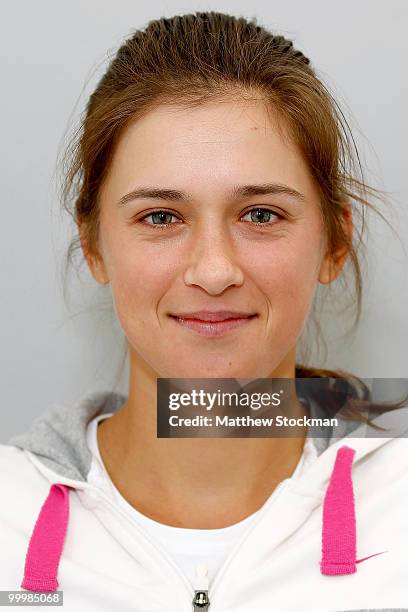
[(193, 58)]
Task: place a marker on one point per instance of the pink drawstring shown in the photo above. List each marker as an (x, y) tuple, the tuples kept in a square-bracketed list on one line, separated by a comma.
[(47, 540), (339, 521)]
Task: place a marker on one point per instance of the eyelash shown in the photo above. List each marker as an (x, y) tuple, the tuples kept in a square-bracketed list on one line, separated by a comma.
[(165, 225)]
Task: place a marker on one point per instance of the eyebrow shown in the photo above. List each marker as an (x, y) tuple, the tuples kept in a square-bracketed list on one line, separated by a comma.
[(239, 191)]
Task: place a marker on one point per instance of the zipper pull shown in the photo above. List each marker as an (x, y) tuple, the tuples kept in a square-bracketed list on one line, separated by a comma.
[(201, 600)]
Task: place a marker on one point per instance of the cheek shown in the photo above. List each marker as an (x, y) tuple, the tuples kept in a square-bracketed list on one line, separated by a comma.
[(286, 274), (290, 276), (138, 278), (289, 263)]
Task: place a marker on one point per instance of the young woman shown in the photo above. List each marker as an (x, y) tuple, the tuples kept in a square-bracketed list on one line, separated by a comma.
[(212, 180)]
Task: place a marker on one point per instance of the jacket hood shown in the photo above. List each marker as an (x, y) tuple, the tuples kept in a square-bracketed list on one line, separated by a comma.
[(56, 444)]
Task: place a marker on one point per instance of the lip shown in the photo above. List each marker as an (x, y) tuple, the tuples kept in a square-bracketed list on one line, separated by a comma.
[(213, 328), (213, 315)]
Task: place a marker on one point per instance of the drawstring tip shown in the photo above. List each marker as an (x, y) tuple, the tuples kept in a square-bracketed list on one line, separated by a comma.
[(40, 585), (337, 569)]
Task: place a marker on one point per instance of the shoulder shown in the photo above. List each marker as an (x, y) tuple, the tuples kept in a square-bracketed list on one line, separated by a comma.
[(8, 451), (23, 487), (14, 464)]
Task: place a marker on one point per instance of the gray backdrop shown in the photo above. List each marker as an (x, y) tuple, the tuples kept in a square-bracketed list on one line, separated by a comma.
[(52, 54)]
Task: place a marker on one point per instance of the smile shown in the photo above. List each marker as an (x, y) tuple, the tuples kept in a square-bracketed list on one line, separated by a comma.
[(212, 328)]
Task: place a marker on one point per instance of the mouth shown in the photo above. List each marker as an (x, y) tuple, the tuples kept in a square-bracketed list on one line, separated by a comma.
[(213, 328)]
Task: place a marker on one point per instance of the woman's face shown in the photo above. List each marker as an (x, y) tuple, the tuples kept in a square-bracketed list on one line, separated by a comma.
[(213, 254)]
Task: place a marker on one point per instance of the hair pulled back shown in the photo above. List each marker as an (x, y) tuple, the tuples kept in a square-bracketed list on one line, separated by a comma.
[(196, 58)]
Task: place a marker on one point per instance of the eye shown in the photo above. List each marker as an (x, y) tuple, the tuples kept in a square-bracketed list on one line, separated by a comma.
[(159, 218), (257, 215)]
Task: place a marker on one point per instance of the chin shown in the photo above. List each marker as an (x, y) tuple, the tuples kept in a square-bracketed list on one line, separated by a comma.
[(211, 371)]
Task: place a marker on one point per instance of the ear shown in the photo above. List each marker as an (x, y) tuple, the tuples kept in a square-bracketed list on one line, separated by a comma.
[(332, 264), (94, 260)]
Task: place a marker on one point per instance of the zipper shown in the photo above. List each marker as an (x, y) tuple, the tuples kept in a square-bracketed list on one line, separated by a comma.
[(201, 600)]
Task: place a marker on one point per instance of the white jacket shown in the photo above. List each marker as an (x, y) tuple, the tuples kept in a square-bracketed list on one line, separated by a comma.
[(312, 548)]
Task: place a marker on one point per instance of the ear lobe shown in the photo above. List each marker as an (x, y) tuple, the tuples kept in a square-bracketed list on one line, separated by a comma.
[(94, 260), (333, 263), (98, 270)]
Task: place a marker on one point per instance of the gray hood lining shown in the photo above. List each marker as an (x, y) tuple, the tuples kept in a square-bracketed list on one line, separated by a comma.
[(58, 437)]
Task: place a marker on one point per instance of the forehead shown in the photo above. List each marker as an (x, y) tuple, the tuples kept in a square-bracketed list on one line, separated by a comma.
[(215, 145)]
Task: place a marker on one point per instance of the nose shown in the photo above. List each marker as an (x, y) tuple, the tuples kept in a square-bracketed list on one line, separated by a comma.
[(212, 262)]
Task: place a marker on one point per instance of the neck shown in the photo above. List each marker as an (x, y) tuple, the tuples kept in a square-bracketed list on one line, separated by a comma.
[(197, 483)]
